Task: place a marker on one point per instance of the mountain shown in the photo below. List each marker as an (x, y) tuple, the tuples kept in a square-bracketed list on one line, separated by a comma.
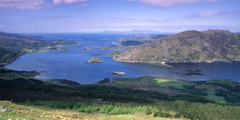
[(187, 46)]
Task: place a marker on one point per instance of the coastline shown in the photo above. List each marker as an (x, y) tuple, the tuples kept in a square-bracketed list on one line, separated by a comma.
[(141, 62), (33, 74), (46, 49), (171, 62)]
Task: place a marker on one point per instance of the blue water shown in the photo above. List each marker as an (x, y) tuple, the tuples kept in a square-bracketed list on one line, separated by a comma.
[(71, 64)]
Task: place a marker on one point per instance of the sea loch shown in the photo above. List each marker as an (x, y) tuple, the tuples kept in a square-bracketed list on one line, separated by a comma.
[(72, 64)]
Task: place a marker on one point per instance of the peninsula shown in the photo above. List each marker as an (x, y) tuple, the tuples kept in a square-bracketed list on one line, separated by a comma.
[(187, 46)]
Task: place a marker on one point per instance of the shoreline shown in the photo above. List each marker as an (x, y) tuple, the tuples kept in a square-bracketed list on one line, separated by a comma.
[(63, 82), (151, 63), (36, 73), (46, 49), (166, 63)]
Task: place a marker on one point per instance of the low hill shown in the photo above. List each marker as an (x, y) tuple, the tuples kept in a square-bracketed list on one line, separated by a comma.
[(14, 45), (187, 46)]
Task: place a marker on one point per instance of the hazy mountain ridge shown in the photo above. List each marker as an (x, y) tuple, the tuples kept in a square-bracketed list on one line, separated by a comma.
[(187, 46)]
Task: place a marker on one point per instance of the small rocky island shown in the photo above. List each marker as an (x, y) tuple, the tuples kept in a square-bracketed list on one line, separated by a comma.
[(87, 48), (64, 49), (118, 73), (95, 60)]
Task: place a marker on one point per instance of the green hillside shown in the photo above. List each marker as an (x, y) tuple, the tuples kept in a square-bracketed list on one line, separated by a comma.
[(145, 97)]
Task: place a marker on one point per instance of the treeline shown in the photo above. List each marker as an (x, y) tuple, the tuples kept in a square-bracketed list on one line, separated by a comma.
[(198, 111), (230, 92)]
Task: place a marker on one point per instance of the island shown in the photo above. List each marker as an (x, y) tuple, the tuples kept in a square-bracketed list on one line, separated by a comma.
[(118, 73), (87, 48), (95, 60), (64, 49)]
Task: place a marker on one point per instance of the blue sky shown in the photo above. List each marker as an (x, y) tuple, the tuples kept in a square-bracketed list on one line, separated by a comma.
[(28, 16)]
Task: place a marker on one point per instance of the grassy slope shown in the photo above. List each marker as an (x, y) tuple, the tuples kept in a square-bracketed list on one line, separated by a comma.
[(33, 112), (27, 112)]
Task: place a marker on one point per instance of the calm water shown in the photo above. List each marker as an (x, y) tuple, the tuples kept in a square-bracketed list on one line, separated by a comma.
[(72, 64)]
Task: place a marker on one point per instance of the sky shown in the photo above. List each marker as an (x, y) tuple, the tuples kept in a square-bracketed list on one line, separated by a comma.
[(58, 16)]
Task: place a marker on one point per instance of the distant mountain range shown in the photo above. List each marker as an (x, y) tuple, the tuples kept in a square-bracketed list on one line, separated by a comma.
[(187, 46), (138, 32)]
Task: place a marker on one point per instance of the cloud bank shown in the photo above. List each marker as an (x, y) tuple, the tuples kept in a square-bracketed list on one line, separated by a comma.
[(22, 4), (67, 1), (166, 3), (208, 13), (34, 4)]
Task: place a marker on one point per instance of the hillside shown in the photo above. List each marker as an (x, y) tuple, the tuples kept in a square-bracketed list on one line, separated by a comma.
[(144, 98), (23, 112), (14, 45), (187, 46)]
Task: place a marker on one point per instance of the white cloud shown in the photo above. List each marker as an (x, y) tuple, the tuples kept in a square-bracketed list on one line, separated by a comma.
[(56, 17), (22, 4), (166, 3), (212, 13), (208, 13), (2, 26), (36, 4), (67, 1), (82, 5)]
